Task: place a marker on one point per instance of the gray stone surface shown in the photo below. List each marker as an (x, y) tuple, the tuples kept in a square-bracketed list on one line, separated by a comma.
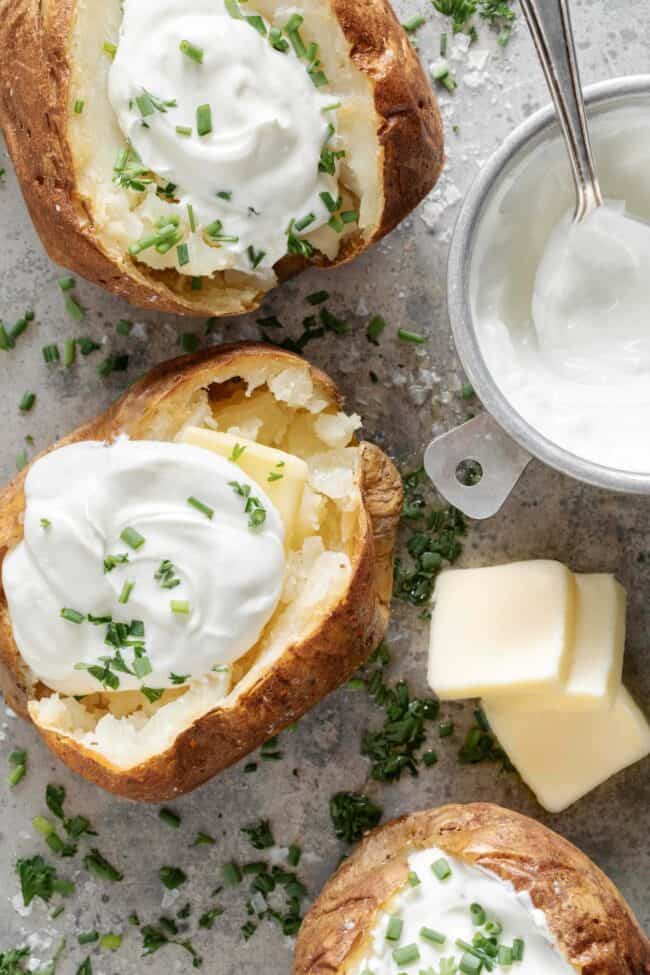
[(404, 280)]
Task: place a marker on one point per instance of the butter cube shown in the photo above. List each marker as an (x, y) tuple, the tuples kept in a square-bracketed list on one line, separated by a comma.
[(281, 476), (563, 755), (597, 663), (502, 630)]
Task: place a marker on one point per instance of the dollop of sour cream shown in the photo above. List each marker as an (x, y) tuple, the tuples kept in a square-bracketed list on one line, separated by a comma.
[(257, 168), (592, 289), (443, 906), (146, 532)]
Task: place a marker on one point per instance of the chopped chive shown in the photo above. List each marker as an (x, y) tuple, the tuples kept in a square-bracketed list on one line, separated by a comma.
[(257, 23), (445, 730), (50, 353), (190, 217), (443, 45), (5, 341), (21, 460), (255, 257), (493, 927), (435, 937), (517, 949), (180, 606), (404, 335), (406, 954), (470, 964), (110, 941), (73, 308), (410, 26), (429, 758), (317, 297), (274, 476), (349, 216), (478, 915), (202, 839), (109, 48), (504, 956), (88, 937), (27, 402), (87, 345), (127, 589), (79, 106), (172, 877), (204, 120), (319, 78), (200, 506), (331, 204), (183, 255), (376, 326), (394, 929), (192, 51), (441, 869), (231, 874), (305, 221), (72, 615), (170, 817), (69, 352), (66, 283), (335, 223), (277, 41), (236, 453), (45, 523), (225, 194), (294, 855), (16, 775), (185, 130), (413, 879), (95, 863), (152, 694), (132, 538), (123, 326), (233, 9)]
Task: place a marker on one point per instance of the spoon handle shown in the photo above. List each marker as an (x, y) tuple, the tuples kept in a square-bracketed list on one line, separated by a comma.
[(549, 22)]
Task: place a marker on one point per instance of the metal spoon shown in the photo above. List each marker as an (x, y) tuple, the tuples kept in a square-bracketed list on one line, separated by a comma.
[(549, 22)]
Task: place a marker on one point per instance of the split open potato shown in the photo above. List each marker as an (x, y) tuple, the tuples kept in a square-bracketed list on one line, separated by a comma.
[(575, 913), (337, 585), (64, 139)]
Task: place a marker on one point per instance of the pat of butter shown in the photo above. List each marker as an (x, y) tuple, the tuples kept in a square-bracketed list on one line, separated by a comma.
[(281, 476), (502, 630), (597, 664), (562, 755)]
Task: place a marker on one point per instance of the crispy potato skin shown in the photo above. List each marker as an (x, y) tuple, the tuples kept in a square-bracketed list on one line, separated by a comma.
[(34, 107), (305, 673), (592, 924)]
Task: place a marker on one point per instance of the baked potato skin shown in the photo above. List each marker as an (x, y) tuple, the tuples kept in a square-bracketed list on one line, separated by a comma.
[(591, 922), (304, 674), (34, 110)]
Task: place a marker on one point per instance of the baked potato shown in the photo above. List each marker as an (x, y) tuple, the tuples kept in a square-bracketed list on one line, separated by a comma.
[(337, 584), (574, 920), (91, 187)]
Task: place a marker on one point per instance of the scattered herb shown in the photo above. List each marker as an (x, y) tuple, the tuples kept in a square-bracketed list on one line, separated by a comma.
[(260, 836), (170, 817), (353, 814), (95, 863), (39, 879)]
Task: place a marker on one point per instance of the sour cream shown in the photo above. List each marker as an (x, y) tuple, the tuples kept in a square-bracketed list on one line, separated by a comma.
[(561, 310), (444, 907), (110, 533), (257, 168)]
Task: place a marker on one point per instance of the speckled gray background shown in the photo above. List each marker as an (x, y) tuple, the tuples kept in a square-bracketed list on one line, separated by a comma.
[(404, 280)]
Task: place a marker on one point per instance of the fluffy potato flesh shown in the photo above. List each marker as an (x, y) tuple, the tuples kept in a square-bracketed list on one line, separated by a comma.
[(121, 216), (334, 603), (591, 925)]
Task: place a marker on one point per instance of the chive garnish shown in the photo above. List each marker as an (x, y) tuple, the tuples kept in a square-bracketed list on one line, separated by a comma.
[(470, 964), (504, 956), (376, 326), (178, 679), (257, 23), (233, 9), (349, 216), (185, 130), (45, 523), (255, 257), (225, 194), (192, 51), (152, 694), (166, 575), (236, 453), (305, 221), (435, 937), (69, 352), (517, 949), (202, 839), (274, 476), (27, 402), (111, 941), (88, 937), (112, 560), (95, 863), (478, 914), (127, 589), (404, 335), (204, 120), (79, 106), (183, 255), (170, 817), (132, 538), (200, 506), (293, 855), (394, 929), (87, 345), (66, 283), (109, 48), (123, 326), (231, 874), (441, 869), (410, 26), (51, 353), (180, 606), (190, 217), (335, 223), (277, 41), (331, 204), (72, 615), (406, 955)]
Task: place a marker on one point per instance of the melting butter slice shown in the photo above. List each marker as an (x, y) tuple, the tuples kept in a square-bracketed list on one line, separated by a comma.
[(502, 630), (597, 660), (562, 755), (281, 476)]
